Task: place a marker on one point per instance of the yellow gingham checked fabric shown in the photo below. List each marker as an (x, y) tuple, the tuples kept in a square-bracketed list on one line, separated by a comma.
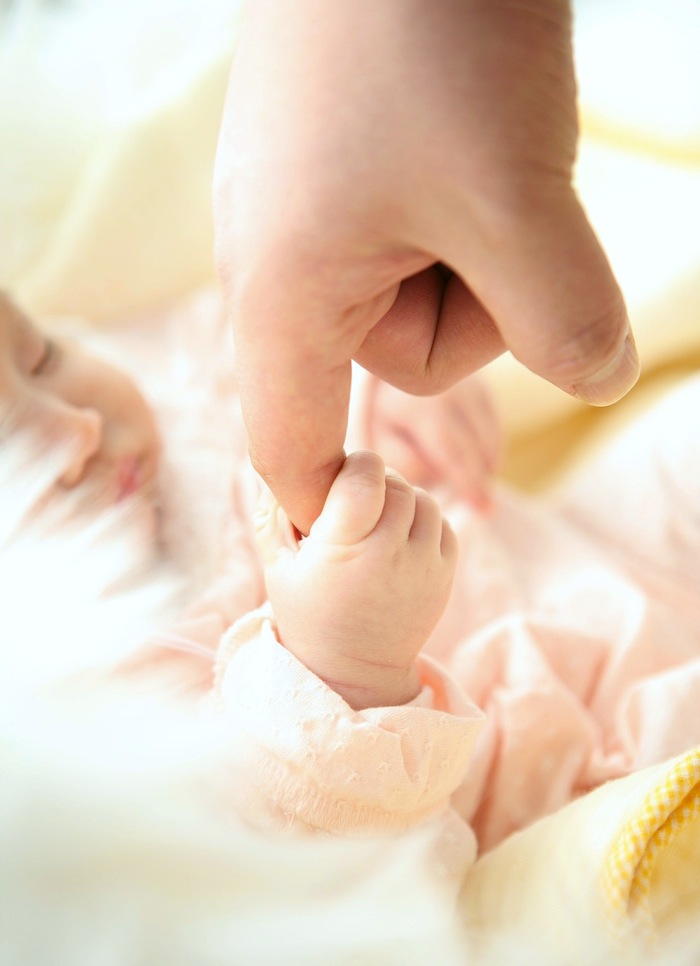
[(627, 873)]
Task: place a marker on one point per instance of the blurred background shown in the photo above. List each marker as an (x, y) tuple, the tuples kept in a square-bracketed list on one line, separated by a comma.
[(109, 114)]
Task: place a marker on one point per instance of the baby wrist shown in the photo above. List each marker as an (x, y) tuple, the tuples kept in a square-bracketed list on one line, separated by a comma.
[(362, 684), (392, 686)]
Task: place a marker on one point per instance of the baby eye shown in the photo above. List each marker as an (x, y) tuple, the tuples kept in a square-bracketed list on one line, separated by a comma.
[(48, 360)]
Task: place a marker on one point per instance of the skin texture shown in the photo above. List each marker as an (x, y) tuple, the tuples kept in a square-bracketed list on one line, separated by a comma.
[(393, 184), (356, 600), (76, 404)]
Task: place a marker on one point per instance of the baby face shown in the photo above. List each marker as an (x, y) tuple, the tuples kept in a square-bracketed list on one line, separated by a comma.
[(74, 403)]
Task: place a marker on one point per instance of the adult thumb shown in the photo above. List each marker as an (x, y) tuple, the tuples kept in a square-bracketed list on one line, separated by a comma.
[(543, 276)]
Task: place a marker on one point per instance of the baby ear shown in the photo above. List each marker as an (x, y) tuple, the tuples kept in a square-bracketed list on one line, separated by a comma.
[(355, 501), (274, 532)]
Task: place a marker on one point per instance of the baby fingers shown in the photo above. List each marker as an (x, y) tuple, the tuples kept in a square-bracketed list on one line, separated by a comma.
[(427, 521), (430, 529), (399, 509)]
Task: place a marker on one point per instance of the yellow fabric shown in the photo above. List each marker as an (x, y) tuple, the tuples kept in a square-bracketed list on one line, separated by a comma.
[(613, 875), (629, 871), (685, 152), (109, 119)]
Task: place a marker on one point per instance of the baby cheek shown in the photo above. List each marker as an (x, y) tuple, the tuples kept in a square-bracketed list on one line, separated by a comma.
[(128, 424), (83, 381), (82, 427)]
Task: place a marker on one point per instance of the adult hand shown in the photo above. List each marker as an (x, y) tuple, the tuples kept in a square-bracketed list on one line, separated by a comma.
[(364, 147)]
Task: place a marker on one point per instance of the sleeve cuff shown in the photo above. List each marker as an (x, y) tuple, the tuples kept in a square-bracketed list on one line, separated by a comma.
[(302, 754)]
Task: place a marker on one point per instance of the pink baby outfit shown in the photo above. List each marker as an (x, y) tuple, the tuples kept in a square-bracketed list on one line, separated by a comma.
[(554, 669), (303, 760)]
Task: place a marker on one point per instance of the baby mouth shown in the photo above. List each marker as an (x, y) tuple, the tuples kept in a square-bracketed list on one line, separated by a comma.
[(129, 477)]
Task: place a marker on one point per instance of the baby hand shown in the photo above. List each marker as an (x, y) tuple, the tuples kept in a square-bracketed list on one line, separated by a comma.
[(451, 440), (356, 600)]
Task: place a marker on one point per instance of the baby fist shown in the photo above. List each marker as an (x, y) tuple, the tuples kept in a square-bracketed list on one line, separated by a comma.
[(356, 600)]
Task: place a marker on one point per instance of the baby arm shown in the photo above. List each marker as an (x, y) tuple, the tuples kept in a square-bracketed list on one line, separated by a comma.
[(336, 722)]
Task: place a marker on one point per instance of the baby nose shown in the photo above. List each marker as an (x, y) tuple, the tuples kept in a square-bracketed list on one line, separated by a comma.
[(82, 431)]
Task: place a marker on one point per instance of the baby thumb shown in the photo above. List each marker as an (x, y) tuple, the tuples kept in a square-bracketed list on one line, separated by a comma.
[(355, 501)]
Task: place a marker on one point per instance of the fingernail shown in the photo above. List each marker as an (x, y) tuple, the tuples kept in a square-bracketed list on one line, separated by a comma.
[(613, 380)]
